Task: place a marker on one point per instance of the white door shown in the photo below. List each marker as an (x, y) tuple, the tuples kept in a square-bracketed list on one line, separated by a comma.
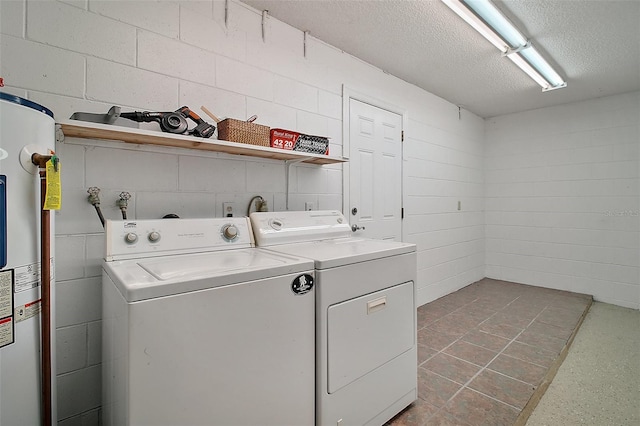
[(375, 171)]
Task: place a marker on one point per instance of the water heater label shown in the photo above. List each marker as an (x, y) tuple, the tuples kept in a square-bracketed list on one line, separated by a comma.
[(53, 196), (28, 310), (6, 307), (6, 331), (6, 293), (27, 277)]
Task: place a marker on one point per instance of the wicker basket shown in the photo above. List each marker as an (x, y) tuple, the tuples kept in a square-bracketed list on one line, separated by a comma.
[(243, 132)]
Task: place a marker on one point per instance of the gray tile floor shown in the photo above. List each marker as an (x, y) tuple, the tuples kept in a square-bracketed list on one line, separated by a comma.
[(484, 350)]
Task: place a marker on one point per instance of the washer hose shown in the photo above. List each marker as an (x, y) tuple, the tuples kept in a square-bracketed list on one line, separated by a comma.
[(94, 200), (261, 205)]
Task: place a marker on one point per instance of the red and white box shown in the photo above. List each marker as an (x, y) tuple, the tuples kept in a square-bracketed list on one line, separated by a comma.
[(294, 141)]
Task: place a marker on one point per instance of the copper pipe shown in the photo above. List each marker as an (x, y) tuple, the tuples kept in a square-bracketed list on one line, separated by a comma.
[(45, 274), (40, 161), (45, 289), (45, 231)]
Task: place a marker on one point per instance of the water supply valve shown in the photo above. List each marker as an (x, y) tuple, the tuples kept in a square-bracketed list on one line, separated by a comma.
[(94, 195), (123, 203)]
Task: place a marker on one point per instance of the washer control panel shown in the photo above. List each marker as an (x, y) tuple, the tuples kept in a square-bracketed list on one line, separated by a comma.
[(127, 239)]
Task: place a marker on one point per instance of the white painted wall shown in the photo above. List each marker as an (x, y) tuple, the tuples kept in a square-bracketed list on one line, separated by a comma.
[(562, 198), (443, 167), (86, 55)]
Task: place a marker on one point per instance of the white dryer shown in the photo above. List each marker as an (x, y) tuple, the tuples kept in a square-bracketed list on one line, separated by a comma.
[(366, 356), (199, 328)]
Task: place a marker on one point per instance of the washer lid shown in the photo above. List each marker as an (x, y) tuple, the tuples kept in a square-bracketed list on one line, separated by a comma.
[(345, 251), (140, 279)]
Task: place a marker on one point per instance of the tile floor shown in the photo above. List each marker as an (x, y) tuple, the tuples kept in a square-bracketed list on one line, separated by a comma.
[(484, 350)]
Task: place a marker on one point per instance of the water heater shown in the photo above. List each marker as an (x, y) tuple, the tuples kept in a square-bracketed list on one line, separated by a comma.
[(25, 128)]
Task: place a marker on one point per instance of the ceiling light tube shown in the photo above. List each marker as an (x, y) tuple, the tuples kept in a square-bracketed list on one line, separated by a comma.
[(495, 20), (532, 56), (485, 18), (477, 23), (524, 66)]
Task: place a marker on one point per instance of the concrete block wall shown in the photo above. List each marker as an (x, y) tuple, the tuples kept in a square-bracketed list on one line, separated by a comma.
[(562, 198), (87, 55), (444, 205)]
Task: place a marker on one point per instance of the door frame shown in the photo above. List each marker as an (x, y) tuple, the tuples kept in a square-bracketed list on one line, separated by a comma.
[(349, 93)]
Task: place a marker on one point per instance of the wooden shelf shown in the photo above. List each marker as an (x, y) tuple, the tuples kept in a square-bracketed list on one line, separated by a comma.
[(87, 130)]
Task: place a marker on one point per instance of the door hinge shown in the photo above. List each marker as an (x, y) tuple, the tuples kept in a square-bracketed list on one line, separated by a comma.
[(402, 136), (402, 213)]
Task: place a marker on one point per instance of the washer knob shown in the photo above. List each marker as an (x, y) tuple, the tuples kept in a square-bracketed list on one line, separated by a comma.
[(130, 238), (230, 232), (154, 236)]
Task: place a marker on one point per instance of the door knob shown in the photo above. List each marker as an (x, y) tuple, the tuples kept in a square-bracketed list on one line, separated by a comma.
[(355, 228)]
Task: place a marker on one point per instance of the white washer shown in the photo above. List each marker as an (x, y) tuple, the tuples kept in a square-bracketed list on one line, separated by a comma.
[(199, 328), (366, 357)]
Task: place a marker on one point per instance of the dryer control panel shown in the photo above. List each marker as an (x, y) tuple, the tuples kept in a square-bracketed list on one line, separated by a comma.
[(127, 239), (273, 228)]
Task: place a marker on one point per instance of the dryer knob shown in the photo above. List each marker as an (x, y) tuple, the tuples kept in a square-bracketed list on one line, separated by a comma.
[(230, 232), (154, 236), (130, 238)]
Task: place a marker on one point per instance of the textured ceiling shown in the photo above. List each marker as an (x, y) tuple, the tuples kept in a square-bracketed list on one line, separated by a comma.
[(595, 45)]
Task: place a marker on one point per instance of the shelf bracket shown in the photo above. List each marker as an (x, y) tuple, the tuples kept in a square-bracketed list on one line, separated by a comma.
[(287, 173), (59, 134)]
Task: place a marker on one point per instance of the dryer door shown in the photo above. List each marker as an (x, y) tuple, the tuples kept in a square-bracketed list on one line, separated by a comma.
[(367, 332)]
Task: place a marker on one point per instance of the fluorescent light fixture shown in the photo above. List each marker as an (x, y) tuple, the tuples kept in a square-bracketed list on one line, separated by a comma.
[(471, 19), (533, 57), (496, 21), (485, 18), (531, 72)]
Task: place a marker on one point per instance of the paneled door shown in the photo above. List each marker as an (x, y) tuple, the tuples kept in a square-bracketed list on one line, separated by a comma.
[(375, 172)]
